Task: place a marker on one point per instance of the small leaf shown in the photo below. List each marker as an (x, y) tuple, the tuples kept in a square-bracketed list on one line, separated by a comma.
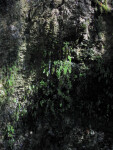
[(69, 58), (60, 104), (65, 71)]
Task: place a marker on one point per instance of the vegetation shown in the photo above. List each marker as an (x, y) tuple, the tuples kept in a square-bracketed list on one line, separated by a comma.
[(57, 92), (103, 6)]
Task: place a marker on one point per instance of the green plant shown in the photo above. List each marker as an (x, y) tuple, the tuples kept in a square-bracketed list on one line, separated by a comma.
[(103, 7), (10, 135)]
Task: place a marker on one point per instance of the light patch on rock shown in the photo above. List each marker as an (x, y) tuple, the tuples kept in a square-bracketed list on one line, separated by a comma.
[(1, 85)]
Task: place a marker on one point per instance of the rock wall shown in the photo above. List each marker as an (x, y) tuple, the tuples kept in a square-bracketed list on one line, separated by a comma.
[(28, 30), (60, 21)]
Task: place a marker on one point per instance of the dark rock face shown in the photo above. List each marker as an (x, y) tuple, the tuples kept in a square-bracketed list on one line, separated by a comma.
[(59, 20), (63, 20), (9, 31), (28, 28), (62, 17), (5, 4)]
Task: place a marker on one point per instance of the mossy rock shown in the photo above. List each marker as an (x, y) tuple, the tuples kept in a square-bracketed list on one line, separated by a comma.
[(57, 3)]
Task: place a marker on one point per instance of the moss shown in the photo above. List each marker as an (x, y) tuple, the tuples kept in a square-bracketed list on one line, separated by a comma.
[(84, 26)]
